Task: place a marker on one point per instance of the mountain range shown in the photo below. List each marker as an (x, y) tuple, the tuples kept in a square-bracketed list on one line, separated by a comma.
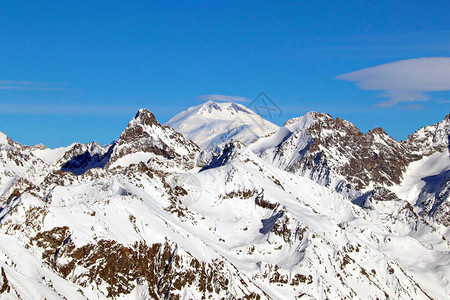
[(219, 203)]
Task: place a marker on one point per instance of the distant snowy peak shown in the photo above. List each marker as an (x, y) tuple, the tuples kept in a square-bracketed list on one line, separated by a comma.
[(212, 124), (226, 110), (211, 109)]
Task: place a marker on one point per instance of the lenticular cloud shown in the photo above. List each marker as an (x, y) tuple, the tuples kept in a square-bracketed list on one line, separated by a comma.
[(404, 80)]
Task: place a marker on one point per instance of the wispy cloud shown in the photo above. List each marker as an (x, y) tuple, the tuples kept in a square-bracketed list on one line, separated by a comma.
[(414, 106), (404, 80), (32, 85), (66, 109), (223, 98)]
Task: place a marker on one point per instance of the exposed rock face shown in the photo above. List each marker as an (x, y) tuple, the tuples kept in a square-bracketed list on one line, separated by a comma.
[(373, 157), (120, 268), (320, 144), (377, 194), (144, 134), (38, 147), (430, 139)]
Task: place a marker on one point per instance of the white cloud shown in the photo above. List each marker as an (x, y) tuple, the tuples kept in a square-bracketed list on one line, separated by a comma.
[(404, 80), (223, 98), (31, 85)]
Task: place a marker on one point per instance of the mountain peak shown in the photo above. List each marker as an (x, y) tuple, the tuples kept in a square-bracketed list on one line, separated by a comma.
[(306, 120), (145, 137), (311, 115), (209, 106), (135, 128), (379, 130), (223, 108), (211, 124), (145, 117)]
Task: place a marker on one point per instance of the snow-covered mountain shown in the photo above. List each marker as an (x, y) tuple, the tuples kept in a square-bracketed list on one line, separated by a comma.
[(212, 124), (316, 210), (326, 148)]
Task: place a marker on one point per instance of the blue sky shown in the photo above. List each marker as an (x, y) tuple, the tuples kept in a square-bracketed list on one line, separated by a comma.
[(79, 71)]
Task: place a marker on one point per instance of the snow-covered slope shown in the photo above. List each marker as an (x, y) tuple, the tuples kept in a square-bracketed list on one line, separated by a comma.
[(153, 223), (212, 124), (426, 184)]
